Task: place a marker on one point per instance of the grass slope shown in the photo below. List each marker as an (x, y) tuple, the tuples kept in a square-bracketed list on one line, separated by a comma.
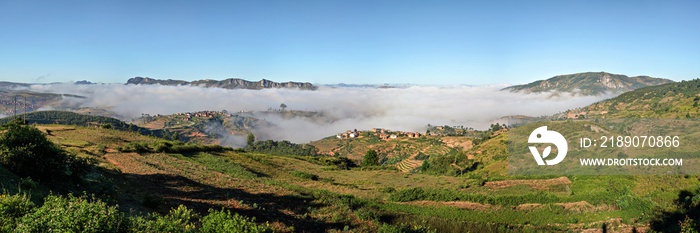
[(294, 194)]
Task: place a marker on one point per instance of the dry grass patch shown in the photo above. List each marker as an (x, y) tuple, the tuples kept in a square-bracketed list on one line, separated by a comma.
[(466, 205), (535, 184)]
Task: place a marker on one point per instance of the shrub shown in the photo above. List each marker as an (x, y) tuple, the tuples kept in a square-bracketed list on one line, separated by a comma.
[(27, 152), (178, 220), (304, 175), (224, 221), (403, 228), (72, 214), (411, 194), (367, 214), (371, 159), (387, 189), (12, 208), (282, 148)]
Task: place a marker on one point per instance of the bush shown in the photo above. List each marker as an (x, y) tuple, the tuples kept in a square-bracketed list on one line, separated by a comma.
[(634, 203), (178, 220), (12, 208), (411, 194), (170, 147), (27, 152), (73, 214), (371, 159), (367, 214), (223, 221), (387, 189), (304, 175), (403, 228), (282, 148)]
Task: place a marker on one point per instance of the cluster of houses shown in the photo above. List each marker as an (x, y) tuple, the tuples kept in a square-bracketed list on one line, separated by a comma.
[(203, 114), (19, 105), (348, 134), (381, 133)]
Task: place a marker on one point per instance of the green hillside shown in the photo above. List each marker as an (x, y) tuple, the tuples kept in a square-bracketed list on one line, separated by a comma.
[(301, 194), (672, 100), (590, 83)]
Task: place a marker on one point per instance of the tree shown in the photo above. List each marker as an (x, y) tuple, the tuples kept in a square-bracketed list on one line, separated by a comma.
[(371, 158), (27, 152), (283, 106), (251, 139)]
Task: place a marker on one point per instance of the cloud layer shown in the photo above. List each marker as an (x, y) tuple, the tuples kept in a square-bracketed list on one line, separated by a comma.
[(410, 108)]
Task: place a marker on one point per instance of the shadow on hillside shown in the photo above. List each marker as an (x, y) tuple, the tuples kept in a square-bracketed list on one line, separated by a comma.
[(178, 190), (672, 221)]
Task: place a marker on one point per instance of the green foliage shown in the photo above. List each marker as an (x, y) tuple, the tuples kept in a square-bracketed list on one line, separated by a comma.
[(181, 220), (403, 228), (282, 148), (12, 208), (224, 221), (371, 159), (82, 214), (671, 100), (304, 175), (27, 152), (170, 147), (488, 134), (454, 163), (634, 203), (387, 189), (251, 139), (72, 214), (684, 218), (421, 156), (416, 194)]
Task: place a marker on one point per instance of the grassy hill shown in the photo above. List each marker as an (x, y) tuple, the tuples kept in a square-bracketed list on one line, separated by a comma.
[(672, 100), (300, 194), (406, 154), (590, 83)]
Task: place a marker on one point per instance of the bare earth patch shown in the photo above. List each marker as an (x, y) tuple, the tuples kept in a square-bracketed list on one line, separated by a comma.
[(462, 143)]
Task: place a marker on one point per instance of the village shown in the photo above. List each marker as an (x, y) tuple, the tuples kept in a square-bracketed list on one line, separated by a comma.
[(203, 114), (382, 133)]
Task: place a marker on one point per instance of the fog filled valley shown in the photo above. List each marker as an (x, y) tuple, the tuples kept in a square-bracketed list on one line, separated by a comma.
[(409, 108)]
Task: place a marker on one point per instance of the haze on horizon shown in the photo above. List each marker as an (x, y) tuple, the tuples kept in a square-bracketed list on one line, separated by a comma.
[(356, 42), (406, 109)]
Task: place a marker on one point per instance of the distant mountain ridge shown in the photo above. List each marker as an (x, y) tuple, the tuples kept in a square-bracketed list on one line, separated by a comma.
[(231, 83), (590, 83)]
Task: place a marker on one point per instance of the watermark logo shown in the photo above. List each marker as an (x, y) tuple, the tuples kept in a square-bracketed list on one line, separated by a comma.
[(542, 135)]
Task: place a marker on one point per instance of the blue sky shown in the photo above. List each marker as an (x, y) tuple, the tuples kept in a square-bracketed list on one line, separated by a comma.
[(421, 42)]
